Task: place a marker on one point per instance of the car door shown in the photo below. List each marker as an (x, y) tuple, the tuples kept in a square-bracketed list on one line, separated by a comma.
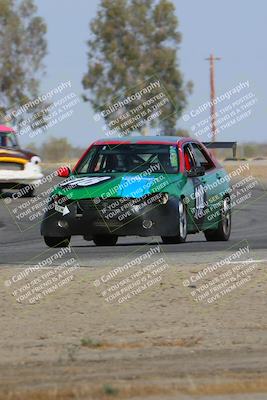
[(192, 190), (210, 182), (196, 206)]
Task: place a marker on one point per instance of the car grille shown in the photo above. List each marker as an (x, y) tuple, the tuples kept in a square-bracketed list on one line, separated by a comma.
[(116, 208), (11, 166)]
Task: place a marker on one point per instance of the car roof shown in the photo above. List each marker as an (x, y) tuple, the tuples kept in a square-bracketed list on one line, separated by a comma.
[(142, 139)]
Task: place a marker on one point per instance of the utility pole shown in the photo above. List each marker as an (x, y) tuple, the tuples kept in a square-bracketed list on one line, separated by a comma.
[(211, 59)]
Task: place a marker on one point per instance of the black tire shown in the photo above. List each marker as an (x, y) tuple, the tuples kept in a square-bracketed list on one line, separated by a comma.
[(182, 232), (30, 191), (57, 241), (105, 240), (223, 231)]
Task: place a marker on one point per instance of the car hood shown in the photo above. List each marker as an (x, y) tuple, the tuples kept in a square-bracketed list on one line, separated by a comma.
[(118, 185)]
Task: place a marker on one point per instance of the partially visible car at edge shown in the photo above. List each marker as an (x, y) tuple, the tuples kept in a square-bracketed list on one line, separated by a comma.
[(19, 169)]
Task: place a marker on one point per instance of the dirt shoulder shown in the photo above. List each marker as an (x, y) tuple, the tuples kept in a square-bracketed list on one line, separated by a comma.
[(164, 342)]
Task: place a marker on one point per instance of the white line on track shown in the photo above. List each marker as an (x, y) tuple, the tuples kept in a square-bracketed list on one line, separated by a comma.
[(247, 262)]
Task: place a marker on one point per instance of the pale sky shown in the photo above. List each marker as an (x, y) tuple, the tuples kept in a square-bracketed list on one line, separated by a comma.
[(234, 30)]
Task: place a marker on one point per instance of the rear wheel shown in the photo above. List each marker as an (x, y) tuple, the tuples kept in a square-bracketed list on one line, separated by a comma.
[(182, 234), (57, 241), (105, 240), (223, 231)]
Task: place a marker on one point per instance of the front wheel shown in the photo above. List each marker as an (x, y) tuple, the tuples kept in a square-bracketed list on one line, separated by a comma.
[(105, 240), (223, 231), (182, 222), (57, 241), (28, 191)]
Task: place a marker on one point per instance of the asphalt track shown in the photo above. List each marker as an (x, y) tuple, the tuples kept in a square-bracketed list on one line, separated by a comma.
[(249, 224)]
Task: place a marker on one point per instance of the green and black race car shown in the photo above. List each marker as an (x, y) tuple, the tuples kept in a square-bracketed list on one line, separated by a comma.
[(149, 186)]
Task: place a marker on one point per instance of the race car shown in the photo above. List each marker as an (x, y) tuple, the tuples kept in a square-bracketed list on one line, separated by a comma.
[(19, 169), (145, 186)]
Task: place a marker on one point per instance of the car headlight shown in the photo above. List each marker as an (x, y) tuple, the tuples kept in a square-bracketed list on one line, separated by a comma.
[(164, 198), (35, 160)]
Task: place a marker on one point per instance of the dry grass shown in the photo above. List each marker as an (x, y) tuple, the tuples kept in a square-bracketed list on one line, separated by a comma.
[(127, 391), (183, 342), (138, 351), (55, 165), (257, 170)]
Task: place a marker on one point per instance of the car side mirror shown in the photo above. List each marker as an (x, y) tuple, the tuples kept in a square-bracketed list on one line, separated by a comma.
[(63, 172), (196, 171)]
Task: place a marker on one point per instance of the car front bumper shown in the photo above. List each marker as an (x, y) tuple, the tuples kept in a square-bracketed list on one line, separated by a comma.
[(153, 220), (31, 174)]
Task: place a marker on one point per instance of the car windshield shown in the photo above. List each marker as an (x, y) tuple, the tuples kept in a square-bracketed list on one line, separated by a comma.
[(8, 140), (135, 158)]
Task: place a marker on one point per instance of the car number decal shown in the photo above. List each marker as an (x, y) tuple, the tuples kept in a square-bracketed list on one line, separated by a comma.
[(82, 182), (200, 201)]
